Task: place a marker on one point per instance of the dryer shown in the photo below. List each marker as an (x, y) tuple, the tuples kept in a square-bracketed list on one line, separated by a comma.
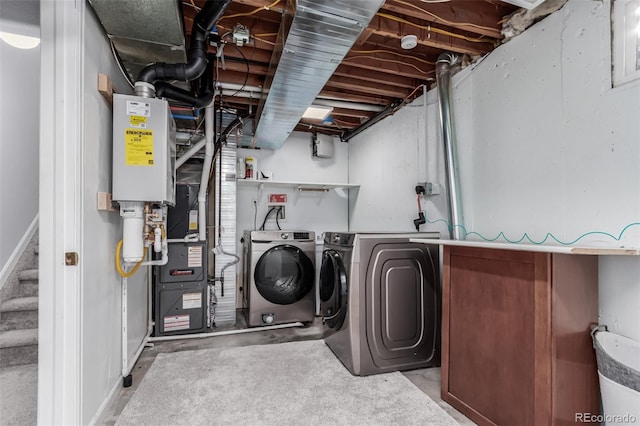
[(380, 301), (279, 278)]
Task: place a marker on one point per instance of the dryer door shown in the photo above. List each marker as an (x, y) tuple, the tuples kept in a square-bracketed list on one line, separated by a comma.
[(333, 289), (284, 275)]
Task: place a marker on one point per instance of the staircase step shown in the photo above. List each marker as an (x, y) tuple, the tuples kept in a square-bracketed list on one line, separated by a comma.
[(28, 283), (29, 275), (18, 347), (19, 313)]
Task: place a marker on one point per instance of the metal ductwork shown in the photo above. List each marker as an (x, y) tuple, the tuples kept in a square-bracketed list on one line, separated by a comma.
[(143, 31), (313, 39), (443, 79)]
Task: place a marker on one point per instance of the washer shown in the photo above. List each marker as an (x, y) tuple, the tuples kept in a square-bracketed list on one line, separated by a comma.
[(279, 277), (380, 301)]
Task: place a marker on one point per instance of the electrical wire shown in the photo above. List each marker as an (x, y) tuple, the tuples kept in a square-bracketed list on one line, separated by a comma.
[(119, 266), (437, 30), (390, 60), (191, 4), (526, 236), (253, 12), (445, 21), (246, 76), (271, 43), (391, 52)]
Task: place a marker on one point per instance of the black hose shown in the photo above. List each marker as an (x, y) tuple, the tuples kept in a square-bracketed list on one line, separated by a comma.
[(197, 56)]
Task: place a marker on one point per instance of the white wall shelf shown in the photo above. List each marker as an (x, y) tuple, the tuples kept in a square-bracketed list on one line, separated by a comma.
[(300, 187)]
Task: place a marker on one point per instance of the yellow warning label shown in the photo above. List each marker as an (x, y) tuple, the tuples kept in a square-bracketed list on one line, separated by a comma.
[(138, 121), (138, 147)]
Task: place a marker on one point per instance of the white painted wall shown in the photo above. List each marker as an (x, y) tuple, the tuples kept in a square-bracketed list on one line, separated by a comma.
[(545, 146), (80, 343), (101, 231), (388, 160), (19, 135), (308, 211), (293, 162)]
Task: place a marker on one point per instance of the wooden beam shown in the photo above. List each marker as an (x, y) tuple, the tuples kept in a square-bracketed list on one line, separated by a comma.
[(355, 97), (369, 59), (361, 86), (376, 76)]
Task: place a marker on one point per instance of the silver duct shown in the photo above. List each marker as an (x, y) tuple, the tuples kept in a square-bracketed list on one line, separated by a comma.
[(443, 79), (309, 48)]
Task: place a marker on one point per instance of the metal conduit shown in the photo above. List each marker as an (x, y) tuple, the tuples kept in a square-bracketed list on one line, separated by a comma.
[(443, 80)]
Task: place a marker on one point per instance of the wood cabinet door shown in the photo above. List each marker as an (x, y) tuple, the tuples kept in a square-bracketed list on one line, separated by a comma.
[(496, 342)]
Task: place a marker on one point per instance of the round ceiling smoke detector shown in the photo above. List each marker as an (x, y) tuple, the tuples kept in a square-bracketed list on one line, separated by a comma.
[(409, 41)]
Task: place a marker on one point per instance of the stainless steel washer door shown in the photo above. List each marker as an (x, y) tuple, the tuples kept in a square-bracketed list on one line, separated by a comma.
[(284, 275), (333, 289)]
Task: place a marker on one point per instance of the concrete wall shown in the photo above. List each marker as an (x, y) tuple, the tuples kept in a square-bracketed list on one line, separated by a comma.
[(389, 159), (310, 211), (19, 133), (293, 162), (545, 146)]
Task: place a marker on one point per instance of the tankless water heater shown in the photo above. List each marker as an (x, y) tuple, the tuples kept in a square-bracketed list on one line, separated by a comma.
[(143, 150)]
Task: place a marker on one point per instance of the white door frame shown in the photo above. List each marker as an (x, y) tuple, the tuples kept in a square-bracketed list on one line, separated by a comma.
[(61, 126)]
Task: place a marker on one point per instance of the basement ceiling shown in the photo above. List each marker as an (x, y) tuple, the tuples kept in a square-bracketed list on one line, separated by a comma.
[(375, 74)]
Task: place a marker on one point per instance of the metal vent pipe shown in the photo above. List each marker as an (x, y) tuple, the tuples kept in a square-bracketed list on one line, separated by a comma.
[(443, 80)]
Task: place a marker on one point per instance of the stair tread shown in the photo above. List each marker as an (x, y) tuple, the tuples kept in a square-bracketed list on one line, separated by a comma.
[(20, 304), (28, 275), (15, 338)]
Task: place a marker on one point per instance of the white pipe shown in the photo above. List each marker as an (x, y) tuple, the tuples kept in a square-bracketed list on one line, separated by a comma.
[(165, 256), (206, 169), (225, 333), (238, 90), (191, 152), (125, 361), (157, 239), (187, 239)]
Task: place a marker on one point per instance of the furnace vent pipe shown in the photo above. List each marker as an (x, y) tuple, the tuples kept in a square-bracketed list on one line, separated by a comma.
[(197, 56), (443, 80)]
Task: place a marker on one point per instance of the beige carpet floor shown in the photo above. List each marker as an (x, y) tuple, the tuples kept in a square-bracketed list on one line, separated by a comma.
[(295, 383)]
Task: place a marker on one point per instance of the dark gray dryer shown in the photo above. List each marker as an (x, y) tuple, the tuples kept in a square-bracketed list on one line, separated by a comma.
[(380, 300)]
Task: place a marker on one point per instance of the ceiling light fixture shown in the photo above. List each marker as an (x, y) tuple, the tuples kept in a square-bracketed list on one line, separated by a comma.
[(20, 41), (315, 112), (409, 41)]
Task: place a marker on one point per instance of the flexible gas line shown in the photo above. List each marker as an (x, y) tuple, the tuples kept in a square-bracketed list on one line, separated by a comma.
[(119, 267)]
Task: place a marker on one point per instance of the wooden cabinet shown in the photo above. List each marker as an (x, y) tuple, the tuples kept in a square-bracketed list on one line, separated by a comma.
[(516, 348)]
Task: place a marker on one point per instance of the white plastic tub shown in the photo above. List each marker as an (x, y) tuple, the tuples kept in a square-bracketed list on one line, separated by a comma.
[(619, 372)]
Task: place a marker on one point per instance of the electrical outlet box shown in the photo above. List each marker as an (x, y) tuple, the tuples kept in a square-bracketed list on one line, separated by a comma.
[(430, 188), (280, 210)]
